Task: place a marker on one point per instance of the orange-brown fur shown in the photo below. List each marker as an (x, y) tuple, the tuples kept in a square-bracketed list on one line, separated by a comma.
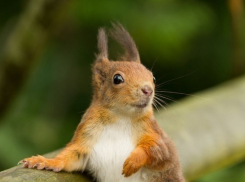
[(154, 149)]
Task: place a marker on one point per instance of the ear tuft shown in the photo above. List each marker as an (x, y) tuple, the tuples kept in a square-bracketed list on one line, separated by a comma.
[(102, 45), (120, 34)]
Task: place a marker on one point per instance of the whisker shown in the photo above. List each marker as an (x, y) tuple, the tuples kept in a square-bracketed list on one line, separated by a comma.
[(159, 79), (159, 86), (161, 100), (180, 93), (157, 105), (154, 104), (175, 78), (154, 63), (164, 97), (158, 102)]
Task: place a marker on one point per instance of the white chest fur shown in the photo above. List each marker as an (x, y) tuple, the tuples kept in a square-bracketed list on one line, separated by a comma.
[(111, 150)]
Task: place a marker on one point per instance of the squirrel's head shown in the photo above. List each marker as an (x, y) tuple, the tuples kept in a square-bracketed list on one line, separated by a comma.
[(124, 86)]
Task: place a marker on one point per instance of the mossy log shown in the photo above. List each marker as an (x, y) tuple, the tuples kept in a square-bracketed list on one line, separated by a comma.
[(208, 130)]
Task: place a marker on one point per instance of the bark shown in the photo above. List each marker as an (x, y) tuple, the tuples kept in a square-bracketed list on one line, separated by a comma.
[(208, 130)]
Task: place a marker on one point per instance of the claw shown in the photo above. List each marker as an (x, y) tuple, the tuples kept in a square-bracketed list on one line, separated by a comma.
[(48, 168), (36, 165), (40, 167), (21, 162), (40, 162), (26, 164), (56, 169)]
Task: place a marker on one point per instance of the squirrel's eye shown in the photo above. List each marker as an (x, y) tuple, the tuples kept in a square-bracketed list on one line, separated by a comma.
[(154, 80), (117, 79)]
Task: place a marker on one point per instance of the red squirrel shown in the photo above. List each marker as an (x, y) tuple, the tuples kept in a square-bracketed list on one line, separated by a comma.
[(118, 138)]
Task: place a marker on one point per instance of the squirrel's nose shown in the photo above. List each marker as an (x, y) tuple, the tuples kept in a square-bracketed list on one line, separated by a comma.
[(147, 90)]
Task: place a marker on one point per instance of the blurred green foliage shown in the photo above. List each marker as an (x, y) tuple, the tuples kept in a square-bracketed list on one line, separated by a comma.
[(187, 39)]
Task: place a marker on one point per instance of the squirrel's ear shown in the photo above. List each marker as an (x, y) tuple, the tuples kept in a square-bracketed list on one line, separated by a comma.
[(101, 65), (102, 46), (122, 37)]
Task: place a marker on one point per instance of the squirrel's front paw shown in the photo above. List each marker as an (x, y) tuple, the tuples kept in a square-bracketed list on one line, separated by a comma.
[(134, 162), (40, 162)]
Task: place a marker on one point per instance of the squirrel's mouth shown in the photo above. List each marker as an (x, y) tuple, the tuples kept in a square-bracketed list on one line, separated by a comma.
[(141, 106)]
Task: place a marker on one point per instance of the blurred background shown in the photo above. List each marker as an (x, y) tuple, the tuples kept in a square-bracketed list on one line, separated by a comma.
[(46, 52)]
